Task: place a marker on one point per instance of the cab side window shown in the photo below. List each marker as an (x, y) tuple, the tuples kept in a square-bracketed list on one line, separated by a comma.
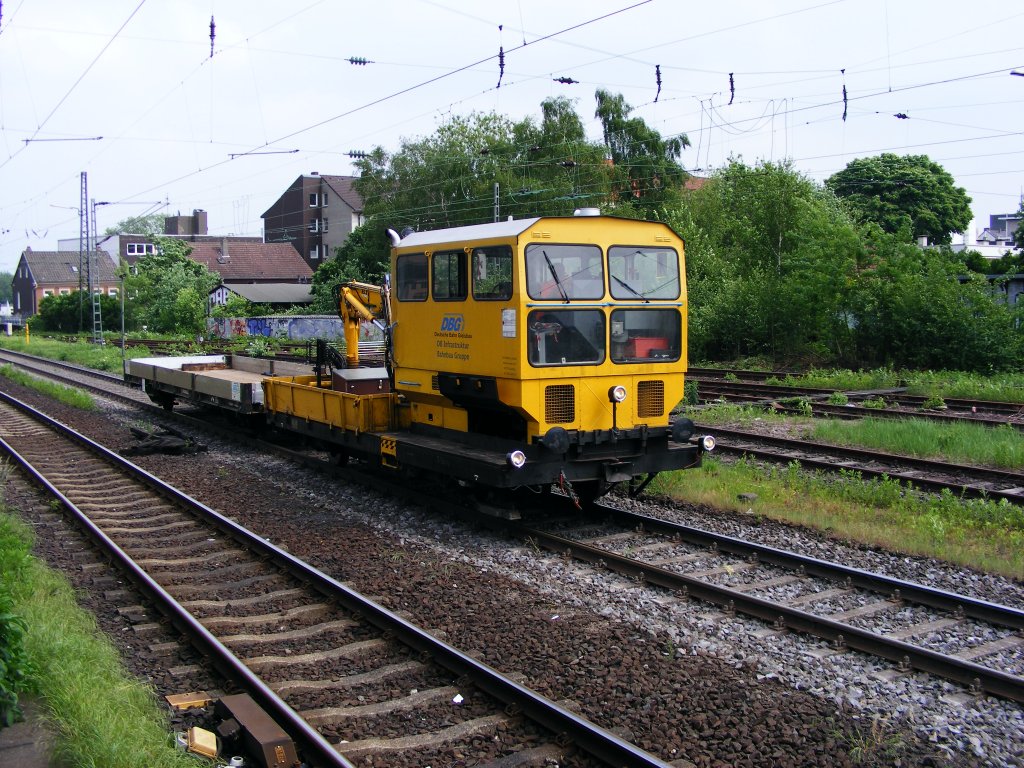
[(449, 276), (411, 276), (492, 273)]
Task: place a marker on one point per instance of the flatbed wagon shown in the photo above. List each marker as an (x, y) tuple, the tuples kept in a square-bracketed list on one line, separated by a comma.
[(233, 382)]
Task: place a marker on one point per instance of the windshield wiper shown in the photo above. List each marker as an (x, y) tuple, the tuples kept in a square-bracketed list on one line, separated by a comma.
[(631, 289), (554, 275)]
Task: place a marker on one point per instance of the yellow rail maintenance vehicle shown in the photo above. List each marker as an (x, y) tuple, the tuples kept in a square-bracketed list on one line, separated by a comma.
[(524, 353)]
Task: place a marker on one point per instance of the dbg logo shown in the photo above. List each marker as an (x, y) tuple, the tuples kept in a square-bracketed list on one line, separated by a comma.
[(451, 323)]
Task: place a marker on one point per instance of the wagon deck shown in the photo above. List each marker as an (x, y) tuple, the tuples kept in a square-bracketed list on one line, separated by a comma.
[(228, 381)]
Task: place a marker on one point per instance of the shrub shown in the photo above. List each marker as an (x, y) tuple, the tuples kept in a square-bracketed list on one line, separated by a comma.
[(13, 662)]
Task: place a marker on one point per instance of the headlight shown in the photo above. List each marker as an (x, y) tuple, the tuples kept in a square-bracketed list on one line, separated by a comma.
[(617, 393), (708, 443), (516, 459)]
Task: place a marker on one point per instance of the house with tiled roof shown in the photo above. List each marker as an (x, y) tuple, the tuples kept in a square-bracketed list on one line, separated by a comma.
[(264, 273), (316, 214), (54, 273), (252, 262)]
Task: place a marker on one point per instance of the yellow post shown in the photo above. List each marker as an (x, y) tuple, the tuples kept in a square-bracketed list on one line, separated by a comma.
[(26, 333)]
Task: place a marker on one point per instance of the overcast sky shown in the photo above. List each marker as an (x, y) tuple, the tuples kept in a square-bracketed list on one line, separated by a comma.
[(140, 75)]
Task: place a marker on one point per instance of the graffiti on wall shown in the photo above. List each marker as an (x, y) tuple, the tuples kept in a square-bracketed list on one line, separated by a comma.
[(297, 328)]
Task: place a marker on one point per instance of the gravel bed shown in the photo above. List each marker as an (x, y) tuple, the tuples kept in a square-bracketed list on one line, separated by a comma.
[(934, 573), (676, 677)]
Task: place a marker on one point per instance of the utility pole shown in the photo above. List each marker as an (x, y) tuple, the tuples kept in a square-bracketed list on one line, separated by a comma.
[(83, 248), (95, 287)]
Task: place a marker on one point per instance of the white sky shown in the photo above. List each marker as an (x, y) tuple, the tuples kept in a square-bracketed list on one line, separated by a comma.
[(140, 75)]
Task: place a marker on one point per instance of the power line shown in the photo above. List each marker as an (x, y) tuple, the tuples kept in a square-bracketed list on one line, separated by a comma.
[(77, 82)]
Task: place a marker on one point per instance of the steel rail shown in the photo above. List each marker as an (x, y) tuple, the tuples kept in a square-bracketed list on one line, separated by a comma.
[(855, 411), (230, 666), (782, 617), (102, 375), (901, 589), (590, 737), (1016, 479)]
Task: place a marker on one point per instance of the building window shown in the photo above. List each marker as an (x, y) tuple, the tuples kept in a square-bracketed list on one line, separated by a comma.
[(323, 199), (314, 225), (140, 249), (314, 252), (65, 291), (312, 199), (323, 224), (47, 292), (112, 292)]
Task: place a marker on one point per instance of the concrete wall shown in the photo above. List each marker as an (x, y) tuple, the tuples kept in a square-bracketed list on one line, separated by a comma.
[(298, 328)]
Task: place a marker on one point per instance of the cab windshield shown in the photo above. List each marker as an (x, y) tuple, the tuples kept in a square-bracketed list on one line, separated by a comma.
[(564, 272), (642, 274)]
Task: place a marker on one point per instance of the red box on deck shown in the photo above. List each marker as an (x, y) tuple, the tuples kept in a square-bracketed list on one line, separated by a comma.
[(642, 346)]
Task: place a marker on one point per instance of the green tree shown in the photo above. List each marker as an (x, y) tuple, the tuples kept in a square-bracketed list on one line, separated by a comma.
[(151, 225), (647, 173), (450, 178), (167, 292), (6, 291), (365, 256), (771, 258), (904, 194), (62, 313), (975, 262), (239, 306), (915, 308), (1011, 263), (560, 169), (443, 180)]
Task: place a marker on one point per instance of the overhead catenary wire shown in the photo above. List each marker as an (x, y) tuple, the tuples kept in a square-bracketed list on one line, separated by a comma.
[(79, 80), (716, 124)]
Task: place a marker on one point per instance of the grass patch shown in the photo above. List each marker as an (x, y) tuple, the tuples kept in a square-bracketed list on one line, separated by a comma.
[(732, 414), (1003, 387), (101, 715), (100, 357), (1002, 446), (978, 533), (962, 442), (67, 395), (882, 378)]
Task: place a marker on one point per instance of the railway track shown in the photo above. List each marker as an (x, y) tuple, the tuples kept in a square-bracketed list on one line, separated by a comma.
[(904, 622), (898, 404), (322, 659), (925, 474), (738, 566)]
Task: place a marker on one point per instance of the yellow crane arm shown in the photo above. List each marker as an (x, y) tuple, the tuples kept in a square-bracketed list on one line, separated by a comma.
[(356, 302)]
